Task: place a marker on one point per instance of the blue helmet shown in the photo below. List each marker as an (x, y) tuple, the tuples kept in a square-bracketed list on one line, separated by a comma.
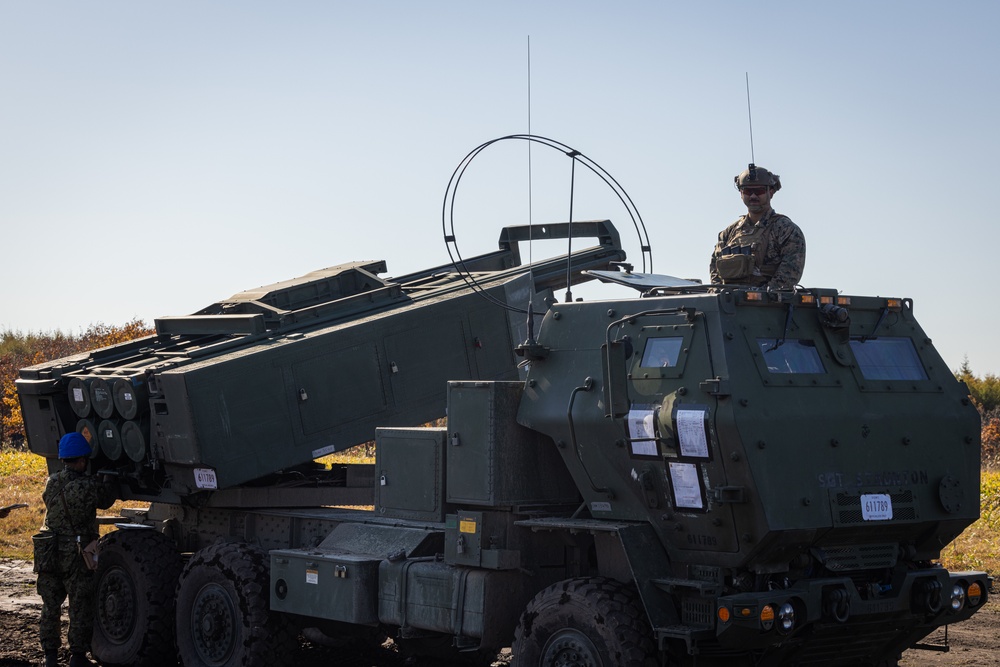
[(73, 445)]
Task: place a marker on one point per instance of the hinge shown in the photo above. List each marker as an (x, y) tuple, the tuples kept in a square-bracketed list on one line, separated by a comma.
[(715, 387), (728, 494)]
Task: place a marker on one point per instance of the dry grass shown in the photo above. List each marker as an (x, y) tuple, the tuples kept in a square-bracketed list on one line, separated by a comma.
[(978, 548), (361, 454), (23, 478)]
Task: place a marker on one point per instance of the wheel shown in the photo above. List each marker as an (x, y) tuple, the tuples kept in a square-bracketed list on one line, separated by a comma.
[(587, 622), (134, 591), (223, 615)]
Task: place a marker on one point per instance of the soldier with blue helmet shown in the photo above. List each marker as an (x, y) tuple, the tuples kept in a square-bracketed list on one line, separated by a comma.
[(763, 248), (71, 500)]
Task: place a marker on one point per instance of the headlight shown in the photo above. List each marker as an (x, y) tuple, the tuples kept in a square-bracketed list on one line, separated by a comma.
[(786, 618), (957, 598)]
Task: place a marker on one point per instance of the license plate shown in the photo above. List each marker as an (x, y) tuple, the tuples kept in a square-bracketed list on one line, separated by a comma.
[(876, 506), (204, 478)]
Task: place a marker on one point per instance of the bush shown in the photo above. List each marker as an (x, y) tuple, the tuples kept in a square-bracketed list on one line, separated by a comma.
[(991, 439)]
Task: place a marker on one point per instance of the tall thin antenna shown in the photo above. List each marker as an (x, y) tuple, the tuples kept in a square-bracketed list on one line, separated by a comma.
[(530, 323), (529, 151), (750, 118)]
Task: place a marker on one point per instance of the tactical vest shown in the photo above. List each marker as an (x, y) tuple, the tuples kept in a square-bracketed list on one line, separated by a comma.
[(742, 261), (63, 513)]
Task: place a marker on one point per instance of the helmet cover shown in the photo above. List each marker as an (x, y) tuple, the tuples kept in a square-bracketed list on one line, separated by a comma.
[(73, 445)]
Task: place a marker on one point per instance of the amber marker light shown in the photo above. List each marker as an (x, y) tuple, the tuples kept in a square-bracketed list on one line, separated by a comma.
[(767, 617), (755, 296), (807, 298), (843, 300), (975, 594), (894, 304), (724, 614), (823, 300)]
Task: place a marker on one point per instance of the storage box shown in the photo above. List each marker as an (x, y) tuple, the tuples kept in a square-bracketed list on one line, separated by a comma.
[(410, 473), (338, 587), (492, 460)]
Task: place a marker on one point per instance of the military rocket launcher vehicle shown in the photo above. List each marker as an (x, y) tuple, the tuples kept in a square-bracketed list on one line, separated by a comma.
[(275, 377), (685, 475)]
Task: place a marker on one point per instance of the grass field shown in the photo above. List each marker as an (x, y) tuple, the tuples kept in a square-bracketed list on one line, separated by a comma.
[(23, 478)]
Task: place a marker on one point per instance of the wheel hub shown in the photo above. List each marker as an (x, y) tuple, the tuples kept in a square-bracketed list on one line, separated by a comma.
[(213, 622), (116, 612), (570, 648)]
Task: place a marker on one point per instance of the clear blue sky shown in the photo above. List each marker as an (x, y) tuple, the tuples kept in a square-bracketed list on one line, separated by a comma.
[(158, 157)]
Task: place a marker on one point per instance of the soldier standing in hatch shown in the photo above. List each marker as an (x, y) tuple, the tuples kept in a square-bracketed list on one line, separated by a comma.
[(763, 248), (71, 501)]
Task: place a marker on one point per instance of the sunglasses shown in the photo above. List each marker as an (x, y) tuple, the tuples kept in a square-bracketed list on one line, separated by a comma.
[(755, 190)]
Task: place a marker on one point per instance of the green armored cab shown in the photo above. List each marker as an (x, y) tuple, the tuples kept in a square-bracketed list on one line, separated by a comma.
[(778, 469)]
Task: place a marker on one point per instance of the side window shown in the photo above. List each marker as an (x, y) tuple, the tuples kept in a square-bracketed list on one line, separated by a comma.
[(662, 352), (886, 358), (791, 355)]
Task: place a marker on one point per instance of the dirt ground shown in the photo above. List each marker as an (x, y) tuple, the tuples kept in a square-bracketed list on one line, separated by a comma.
[(973, 643)]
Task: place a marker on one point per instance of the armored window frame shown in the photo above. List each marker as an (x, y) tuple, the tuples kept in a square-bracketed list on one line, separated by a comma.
[(767, 330), (804, 358), (679, 335), (888, 358)]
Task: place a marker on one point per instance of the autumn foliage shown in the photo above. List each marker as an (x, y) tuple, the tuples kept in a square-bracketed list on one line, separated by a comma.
[(18, 350), (985, 394)]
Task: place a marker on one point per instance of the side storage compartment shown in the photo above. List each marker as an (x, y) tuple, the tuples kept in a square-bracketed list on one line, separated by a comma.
[(410, 473), (492, 460), (337, 587)]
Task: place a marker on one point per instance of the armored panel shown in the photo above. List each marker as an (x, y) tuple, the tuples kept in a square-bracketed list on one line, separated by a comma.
[(338, 587), (410, 473), (377, 540), (492, 460), (479, 539), (463, 539), (317, 392), (48, 411)]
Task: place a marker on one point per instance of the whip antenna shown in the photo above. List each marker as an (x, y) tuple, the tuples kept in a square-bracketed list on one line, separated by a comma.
[(530, 339), (752, 167)]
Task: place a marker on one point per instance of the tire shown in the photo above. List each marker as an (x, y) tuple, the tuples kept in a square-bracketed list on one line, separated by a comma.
[(134, 596), (223, 615), (589, 622)]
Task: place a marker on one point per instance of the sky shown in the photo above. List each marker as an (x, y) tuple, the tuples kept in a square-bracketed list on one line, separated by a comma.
[(158, 157)]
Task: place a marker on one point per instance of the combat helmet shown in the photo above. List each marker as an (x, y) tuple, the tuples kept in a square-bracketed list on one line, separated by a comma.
[(754, 175)]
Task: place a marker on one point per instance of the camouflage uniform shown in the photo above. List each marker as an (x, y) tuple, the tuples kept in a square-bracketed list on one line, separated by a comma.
[(77, 516), (777, 248)]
